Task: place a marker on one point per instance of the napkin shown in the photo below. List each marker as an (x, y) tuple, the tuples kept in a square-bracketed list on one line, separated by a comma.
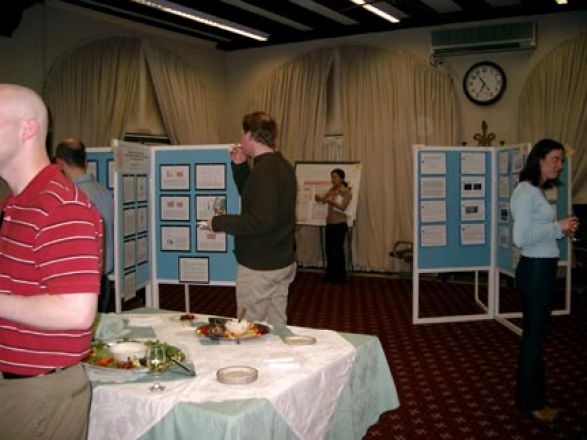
[(144, 321), (282, 363), (110, 326)]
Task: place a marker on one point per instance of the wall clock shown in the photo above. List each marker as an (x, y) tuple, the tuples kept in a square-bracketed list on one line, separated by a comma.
[(484, 83)]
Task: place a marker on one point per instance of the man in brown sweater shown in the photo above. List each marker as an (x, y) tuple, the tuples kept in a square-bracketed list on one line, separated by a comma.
[(264, 230)]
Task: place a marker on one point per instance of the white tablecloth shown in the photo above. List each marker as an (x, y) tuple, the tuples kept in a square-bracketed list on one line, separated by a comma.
[(302, 383)]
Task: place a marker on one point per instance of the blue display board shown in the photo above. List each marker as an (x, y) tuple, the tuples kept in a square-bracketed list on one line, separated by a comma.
[(190, 175), (462, 237), (102, 161)]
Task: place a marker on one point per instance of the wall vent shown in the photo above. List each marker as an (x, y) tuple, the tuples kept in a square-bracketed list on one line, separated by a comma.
[(483, 39)]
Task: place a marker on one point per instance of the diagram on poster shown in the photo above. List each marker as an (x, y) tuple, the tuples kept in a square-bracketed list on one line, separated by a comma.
[(472, 163), (433, 235), (433, 187), (432, 163), (472, 210), (473, 187), (432, 211), (472, 233)]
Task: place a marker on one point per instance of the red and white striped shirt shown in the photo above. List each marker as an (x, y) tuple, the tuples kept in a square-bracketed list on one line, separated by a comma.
[(50, 243)]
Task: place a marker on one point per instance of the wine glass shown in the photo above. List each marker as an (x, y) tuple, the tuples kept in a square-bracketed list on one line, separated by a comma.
[(156, 359), (219, 206)]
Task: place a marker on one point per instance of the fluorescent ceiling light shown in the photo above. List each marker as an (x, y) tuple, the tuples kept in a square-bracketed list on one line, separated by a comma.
[(203, 18), (376, 11), (561, 2)]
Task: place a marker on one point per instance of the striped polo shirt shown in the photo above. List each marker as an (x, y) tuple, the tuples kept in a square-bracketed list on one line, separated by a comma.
[(50, 243)]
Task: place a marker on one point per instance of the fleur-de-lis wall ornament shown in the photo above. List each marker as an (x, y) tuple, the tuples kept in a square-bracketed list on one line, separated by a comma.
[(484, 139)]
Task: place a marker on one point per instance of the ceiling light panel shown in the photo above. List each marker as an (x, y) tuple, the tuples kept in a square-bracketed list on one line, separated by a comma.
[(203, 18), (386, 7), (375, 10)]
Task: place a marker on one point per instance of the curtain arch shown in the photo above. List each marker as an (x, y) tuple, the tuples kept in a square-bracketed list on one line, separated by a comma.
[(390, 100), (553, 104), (91, 90)]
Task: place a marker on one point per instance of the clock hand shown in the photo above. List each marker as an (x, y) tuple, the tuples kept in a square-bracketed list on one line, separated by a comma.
[(483, 83)]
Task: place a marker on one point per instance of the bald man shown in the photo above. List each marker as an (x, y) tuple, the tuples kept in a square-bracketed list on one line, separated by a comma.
[(50, 266)]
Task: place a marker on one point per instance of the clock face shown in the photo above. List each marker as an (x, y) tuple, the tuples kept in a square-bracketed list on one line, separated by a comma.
[(484, 83)]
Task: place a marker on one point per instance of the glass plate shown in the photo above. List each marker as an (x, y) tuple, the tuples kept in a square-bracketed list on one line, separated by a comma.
[(238, 375)]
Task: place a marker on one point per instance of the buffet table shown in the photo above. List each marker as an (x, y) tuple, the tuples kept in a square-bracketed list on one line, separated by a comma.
[(333, 389)]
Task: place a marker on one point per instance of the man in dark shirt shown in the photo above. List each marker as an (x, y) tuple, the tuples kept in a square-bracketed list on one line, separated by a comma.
[(264, 230)]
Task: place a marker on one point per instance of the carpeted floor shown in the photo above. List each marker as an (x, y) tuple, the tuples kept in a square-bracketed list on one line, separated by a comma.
[(455, 381)]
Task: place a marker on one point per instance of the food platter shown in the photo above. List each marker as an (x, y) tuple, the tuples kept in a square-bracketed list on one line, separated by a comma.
[(101, 357), (219, 332)]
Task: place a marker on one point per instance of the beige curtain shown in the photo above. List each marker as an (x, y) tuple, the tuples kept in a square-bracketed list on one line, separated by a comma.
[(553, 104), (390, 102), (188, 112), (89, 92), (295, 95)]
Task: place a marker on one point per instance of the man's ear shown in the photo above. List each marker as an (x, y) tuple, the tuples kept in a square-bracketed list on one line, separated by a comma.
[(30, 128)]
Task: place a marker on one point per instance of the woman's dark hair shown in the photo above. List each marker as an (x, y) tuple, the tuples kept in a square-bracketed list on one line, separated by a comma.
[(531, 171), (340, 173)]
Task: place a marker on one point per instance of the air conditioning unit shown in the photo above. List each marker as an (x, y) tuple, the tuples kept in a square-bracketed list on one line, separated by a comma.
[(483, 39)]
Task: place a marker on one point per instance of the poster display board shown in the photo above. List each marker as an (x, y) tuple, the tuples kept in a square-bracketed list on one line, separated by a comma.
[(454, 194), (132, 227), (160, 193), (462, 220), (314, 178), (191, 184)]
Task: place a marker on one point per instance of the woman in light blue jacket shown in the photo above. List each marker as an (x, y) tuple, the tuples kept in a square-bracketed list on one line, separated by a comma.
[(536, 231)]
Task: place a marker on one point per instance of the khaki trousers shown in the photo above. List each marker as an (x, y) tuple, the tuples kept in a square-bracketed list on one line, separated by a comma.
[(264, 293), (55, 406)]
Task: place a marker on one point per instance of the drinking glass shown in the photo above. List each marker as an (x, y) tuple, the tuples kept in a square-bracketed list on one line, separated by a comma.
[(219, 206), (156, 359)]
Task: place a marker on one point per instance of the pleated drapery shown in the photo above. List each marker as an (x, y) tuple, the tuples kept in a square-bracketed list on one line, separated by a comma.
[(188, 113), (390, 101), (91, 91), (553, 104)]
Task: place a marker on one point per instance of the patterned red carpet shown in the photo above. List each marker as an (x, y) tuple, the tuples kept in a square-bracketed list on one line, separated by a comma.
[(455, 381)]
